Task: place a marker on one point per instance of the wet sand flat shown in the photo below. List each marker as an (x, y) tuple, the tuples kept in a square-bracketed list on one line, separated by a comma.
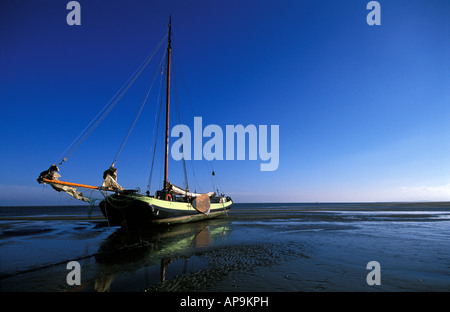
[(257, 248)]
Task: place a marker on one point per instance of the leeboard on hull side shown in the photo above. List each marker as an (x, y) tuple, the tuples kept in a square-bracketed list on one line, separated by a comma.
[(144, 210)]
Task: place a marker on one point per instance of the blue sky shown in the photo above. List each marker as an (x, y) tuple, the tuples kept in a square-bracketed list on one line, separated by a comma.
[(363, 111)]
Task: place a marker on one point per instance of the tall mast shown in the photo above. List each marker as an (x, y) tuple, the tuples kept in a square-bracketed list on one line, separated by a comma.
[(169, 49)]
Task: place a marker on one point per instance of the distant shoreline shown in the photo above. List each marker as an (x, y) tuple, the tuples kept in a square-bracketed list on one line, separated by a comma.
[(275, 203), (53, 218), (241, 211)]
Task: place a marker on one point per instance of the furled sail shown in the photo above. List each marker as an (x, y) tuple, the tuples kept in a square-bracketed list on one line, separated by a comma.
[(110, 179), (178, 190), (51, 174)]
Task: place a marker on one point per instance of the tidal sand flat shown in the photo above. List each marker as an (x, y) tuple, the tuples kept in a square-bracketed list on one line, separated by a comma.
[(256, 248)]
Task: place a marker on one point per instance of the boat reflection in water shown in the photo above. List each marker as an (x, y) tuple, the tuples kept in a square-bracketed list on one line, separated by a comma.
[(125, 252)]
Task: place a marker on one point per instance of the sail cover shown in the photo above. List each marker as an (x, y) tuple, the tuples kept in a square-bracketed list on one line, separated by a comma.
[(178, 190)]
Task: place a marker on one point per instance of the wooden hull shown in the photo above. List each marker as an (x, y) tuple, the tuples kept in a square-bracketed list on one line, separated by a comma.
[(140, 210)]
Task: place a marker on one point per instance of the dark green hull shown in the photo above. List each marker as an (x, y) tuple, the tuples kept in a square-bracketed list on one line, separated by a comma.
[(139, 210)]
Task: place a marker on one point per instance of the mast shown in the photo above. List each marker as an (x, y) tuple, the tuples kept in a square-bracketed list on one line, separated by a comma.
[(169, 49)]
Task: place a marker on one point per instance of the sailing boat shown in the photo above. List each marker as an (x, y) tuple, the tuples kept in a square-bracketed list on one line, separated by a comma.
[(171, 205)]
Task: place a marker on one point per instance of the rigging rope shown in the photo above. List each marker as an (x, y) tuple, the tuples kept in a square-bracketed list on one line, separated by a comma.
[(107, 108), (125, 139), (209, 163), (179, 122), (162, 81)]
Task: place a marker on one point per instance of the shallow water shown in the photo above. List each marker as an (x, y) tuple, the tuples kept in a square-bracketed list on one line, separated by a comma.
[(259, 247)]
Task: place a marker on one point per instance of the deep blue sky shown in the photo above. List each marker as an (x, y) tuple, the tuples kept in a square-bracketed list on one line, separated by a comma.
[(363, 111)]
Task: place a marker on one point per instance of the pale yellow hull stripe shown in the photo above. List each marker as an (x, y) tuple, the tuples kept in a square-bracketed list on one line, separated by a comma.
[(181, 205)]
